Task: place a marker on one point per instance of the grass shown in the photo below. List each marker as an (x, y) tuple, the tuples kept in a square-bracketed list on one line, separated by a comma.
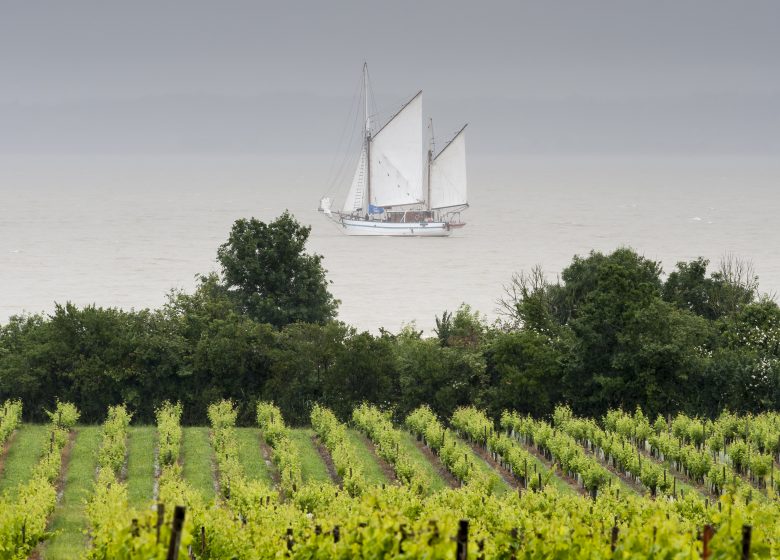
[(313, 468), (69, 520), (25, 451), (372, 472), (140, 465), (196, 459), (436, 482), (250, 456)]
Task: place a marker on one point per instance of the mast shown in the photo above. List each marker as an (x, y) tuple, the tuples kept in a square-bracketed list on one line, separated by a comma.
[(431, 148), (367, 137)]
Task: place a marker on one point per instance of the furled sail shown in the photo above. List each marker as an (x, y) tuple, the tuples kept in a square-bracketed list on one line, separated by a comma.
[(448, 174), (356, 194), (396, 158)]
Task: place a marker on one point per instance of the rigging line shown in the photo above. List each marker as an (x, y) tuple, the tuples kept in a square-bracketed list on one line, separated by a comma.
[(340, 175), (331, 179)]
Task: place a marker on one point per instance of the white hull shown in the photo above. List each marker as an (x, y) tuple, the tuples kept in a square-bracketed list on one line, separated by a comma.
[(397, 229)]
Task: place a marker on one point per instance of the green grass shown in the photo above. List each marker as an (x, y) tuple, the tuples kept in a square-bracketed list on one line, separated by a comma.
[(69, 520), (196, 459), (372, 472), (313, 468), (250, 456), (140, 465), (25, 451), (436, 482)]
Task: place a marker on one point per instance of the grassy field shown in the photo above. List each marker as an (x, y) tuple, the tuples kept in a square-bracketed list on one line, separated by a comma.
[(250, 456), (141, 444), (69, 520), (24, 453), (196, 456), (372, 472), (313, 468), (407, 444)]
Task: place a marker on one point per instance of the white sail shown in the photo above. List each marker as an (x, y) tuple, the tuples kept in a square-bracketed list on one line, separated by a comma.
[(448, 174), (356, 194), (396, 158)]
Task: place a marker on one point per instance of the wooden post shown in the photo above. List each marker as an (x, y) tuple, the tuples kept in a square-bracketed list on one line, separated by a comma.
[(290, 539), (462, 541), (540, 482), (613, 542), (525, 472), (178, 523), (747, 531), (706, 536), (134, 528), (336, 534), (202, 540), (160, 518)]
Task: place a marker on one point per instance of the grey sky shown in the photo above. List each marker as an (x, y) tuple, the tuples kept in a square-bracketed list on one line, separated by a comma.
[(253, 77)]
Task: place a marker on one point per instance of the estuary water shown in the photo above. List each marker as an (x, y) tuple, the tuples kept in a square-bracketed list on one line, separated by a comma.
[(123, 231)]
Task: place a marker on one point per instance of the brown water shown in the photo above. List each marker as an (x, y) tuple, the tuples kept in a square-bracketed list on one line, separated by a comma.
[(123, 231)]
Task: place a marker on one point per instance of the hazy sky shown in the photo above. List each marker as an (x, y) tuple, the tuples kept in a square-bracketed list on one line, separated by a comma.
[(658, 76)]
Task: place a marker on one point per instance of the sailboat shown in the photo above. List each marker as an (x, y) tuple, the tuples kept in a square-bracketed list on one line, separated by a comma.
[(397, 190)]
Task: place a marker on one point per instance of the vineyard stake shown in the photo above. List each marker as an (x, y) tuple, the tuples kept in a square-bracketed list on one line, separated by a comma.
[(706, 536), (178, 523), (160, 517), (336, 534), (747, 531), (613, 543), (462, 542), (290, 539), (202, 540)]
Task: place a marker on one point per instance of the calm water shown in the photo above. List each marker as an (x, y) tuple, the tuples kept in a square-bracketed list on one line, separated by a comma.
[(123, 231)]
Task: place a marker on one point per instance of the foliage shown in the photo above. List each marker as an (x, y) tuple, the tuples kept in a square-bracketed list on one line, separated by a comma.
[(274, 281)]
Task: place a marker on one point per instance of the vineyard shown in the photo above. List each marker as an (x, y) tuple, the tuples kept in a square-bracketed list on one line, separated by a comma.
[(621, 486)]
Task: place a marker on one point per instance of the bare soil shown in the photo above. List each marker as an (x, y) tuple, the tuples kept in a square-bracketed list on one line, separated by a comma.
[(325, 454), (505, 474), (451, 481)]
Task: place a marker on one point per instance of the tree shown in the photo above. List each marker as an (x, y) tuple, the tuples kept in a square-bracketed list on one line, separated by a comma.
[(274, 281), (689, 288), (524, 373)]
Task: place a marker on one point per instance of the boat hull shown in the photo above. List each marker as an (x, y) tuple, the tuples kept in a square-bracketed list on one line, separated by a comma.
[(395, 229)]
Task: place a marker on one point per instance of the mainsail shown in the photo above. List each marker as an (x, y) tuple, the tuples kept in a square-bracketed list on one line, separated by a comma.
[(448, 174), (396, 158), (356, 194)]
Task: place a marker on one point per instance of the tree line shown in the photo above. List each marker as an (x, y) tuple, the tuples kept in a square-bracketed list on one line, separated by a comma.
[(611, 331)]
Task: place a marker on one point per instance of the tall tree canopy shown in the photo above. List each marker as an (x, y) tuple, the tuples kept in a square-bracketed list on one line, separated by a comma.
[(273, 280)]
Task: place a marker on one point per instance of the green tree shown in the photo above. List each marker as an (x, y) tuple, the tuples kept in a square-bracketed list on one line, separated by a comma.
[(274, 281), (524, 372), (689, 288)]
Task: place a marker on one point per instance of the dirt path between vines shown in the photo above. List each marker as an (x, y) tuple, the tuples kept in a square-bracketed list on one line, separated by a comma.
[(549, 465), (446, 475), (325, 454), (495, 465)]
